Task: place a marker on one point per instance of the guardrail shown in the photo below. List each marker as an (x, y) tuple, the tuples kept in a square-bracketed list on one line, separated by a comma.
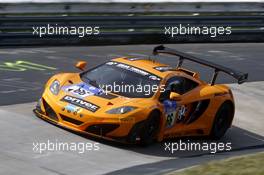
[(128, 29), (195, 6)]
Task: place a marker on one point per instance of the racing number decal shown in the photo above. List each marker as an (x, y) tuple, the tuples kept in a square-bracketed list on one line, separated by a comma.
[(170, 112), (170, 119), (181, 113), (174, 114), (77, 90)]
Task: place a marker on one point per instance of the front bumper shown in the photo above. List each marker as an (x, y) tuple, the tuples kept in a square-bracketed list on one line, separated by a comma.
[(111, 129), (48, 119)]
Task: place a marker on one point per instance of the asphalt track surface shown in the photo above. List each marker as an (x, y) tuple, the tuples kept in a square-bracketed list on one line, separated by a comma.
[(20, 86), (27, 85)]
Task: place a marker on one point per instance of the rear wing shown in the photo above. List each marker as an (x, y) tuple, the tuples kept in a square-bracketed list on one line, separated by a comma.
[(241, 77)]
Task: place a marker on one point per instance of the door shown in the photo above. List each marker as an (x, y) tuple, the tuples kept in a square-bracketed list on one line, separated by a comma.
[(177, 112)]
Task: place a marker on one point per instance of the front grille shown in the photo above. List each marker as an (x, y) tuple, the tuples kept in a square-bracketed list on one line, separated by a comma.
[(49, 111), (71, 120), (101, 129)]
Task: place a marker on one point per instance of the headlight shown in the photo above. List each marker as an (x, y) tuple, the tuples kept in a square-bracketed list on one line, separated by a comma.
[(55, 87), (121, 110)]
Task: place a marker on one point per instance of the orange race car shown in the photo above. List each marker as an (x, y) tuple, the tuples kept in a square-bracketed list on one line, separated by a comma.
[(139, 100)]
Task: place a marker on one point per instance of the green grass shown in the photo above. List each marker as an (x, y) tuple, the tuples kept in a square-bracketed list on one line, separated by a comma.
[(243, 165)]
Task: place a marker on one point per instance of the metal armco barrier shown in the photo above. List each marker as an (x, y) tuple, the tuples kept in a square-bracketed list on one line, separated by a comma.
[(17, 30), (112, 6)]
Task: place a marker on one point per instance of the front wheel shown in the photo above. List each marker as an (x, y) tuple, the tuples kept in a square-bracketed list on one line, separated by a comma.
[(222, 121), (150, 129)]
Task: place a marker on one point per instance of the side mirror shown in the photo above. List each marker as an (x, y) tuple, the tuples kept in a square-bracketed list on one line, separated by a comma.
[(175, 96), (81, 65)]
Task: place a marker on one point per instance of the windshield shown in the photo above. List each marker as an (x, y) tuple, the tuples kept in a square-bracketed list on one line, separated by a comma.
[(123, 79)]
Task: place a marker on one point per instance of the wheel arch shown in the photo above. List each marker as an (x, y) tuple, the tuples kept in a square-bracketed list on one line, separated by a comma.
[(225, 102)]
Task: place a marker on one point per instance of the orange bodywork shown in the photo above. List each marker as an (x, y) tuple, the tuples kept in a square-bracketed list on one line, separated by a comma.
[(80, 119)]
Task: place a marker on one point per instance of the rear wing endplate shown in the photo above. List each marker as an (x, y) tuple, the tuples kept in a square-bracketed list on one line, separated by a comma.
[(241, 77)]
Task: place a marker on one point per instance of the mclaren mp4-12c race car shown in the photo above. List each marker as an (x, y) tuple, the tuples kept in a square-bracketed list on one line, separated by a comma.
[(139, 100)]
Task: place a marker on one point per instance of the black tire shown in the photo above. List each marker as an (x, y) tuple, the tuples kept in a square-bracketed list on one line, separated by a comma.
[(150, 129), (222, 121)]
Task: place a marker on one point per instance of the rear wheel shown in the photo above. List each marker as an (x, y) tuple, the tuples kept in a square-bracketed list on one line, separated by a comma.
[(150, 129), (222, 121)]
